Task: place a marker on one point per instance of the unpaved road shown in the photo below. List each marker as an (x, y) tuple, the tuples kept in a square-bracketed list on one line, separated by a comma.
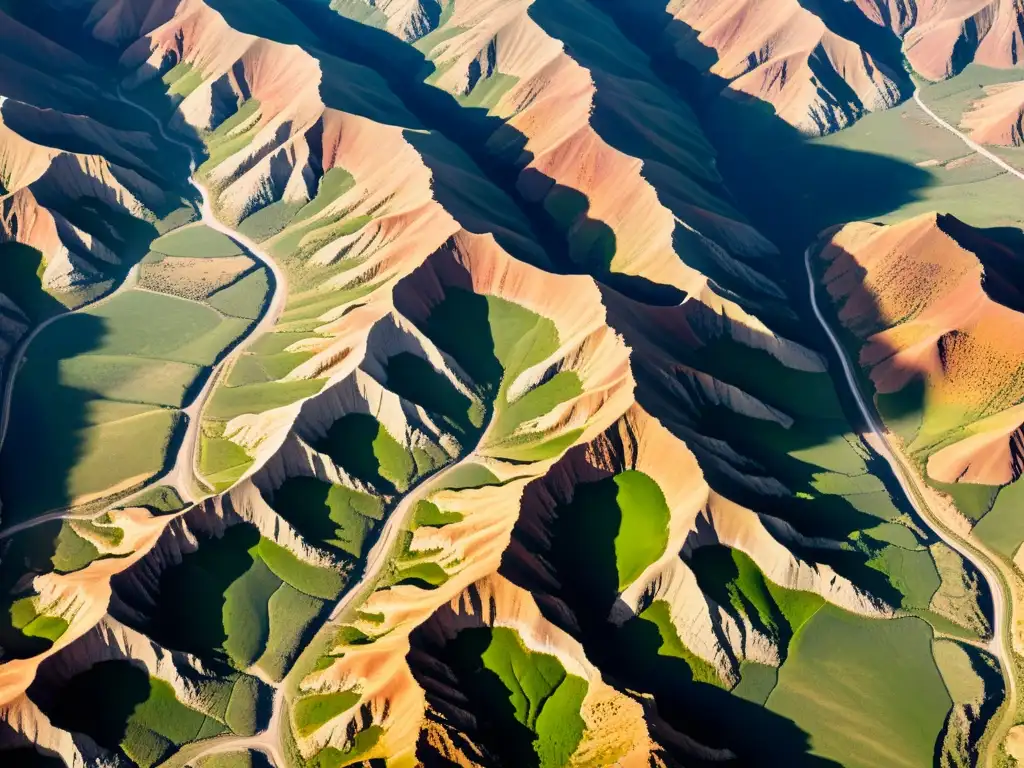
[(973, 145), (184, 470), (974, 553), (182, 473), (268, 741)]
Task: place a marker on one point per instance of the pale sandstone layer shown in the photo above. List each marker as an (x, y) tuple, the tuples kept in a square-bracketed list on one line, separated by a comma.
[(935, 301)]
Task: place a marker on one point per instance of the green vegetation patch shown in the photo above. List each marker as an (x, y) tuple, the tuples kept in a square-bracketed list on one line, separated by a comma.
[(628, 512), (123, 708), (270, 220), (532, 704), (962, 680), (131, 379), (73, 552), (328, 514), (415, 379), (314, 580), (426, 513), (182, 79), (25, 616), (221, 461), (643, 531), (162, 499), (912, 572), (492, 339), (312, 712), (335, 183), (292, 614), (733, 580), (229, 402), (1002, 528), (361, 445), (196, 241), (560, 388), (757, 681), (232, 135), (867, 691), (243, 598), (469, 475), (657, 613), (244, 298)]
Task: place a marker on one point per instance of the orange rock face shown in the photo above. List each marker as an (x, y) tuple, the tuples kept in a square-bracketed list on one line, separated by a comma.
[(937, 302), (782, 53), (941, 37), (998, 117)]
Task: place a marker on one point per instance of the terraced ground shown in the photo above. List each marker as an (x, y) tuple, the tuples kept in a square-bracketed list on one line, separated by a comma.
[(98, 405), (539, 465)]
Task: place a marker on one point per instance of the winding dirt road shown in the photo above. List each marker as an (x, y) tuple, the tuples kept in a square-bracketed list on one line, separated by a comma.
[(183, 471), (973, 145), (1001, 644)]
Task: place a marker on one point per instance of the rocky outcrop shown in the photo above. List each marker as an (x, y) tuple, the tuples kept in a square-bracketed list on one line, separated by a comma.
[(940, 38)]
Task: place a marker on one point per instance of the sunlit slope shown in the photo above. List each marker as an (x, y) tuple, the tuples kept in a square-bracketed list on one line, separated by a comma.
[(613, 157), (997, 117), (941, 38), (934, 308), (79, 185), (462, 508), (812, 68), (938, 308)]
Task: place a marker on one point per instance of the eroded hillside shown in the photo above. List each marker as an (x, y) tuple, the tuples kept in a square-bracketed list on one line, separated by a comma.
[(508, 448)]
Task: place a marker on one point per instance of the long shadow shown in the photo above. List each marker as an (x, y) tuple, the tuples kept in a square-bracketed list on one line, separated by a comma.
[(577, 542), (804, 173), (47, 421), (100, 701), (23, 556), (19, 751), (494, 725), (185, 611), (580, 244), (790, 186)]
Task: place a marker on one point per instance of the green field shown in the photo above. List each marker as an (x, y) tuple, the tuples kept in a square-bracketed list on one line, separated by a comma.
[(361, 445), (94, 406), (733, 580), (1002, 528), (902, 145), (505, 339), (244, 298), (232, 135), (867, 691), (131, 379), (327, 514), (145, 324), (532, 705), (242, 598), (124, 709), (221, 461), (670, 645), (228, 402), (196, 241)]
